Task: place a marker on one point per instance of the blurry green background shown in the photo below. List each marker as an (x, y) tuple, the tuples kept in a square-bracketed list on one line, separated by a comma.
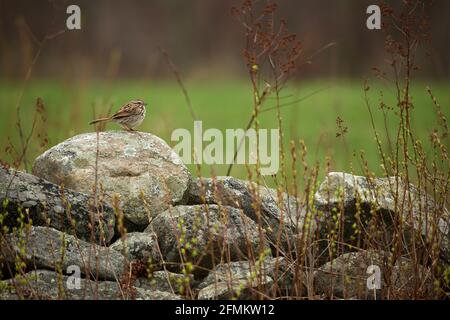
[(116, 57)]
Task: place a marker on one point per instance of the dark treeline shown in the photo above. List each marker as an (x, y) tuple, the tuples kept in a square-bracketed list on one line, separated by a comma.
[(121, 38)]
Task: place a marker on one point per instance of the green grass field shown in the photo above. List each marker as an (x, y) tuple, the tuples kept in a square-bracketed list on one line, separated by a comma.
[(225, 104)]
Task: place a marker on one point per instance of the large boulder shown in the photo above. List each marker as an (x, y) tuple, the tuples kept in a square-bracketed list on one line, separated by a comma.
[(374, 210), (281, 216), (205, 234), (48, 248), (45, 284), (353, 275), (137, 167), (47, 204)]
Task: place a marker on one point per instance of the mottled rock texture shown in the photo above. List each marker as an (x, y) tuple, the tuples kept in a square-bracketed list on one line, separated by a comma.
[(281, 215), (139, 246), (247, 280), (138, 168), (347, 277), (48, 248), (205, 233), (374, 209), (165, 281), (48, 204), (45, 285)]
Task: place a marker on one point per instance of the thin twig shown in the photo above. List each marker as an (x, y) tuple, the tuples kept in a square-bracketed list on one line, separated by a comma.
[(180, 82)]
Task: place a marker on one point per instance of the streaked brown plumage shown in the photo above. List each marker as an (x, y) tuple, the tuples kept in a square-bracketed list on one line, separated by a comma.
[(129, 116)]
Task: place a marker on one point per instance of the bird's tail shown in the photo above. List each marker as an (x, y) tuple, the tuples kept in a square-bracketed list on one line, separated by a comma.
[(99, 120)]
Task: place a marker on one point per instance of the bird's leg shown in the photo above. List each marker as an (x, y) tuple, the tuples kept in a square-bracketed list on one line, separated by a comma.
[(127, 128)]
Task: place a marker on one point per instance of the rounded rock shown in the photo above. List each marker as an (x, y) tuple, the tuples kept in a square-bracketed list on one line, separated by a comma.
[(139, 168)]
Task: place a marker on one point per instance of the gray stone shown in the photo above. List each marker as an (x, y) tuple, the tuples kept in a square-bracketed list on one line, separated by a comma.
[(204, 233), (139, 246), (48, 248), (137, 167), (239, 289), (279, 213), (48, 204), (245, 279), (346, 277), (165, 281), (379, 212), (157, 295), (235, 280), (44, 284)]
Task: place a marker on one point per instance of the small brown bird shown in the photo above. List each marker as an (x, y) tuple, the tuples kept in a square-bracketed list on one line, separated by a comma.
[(129, 116)]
